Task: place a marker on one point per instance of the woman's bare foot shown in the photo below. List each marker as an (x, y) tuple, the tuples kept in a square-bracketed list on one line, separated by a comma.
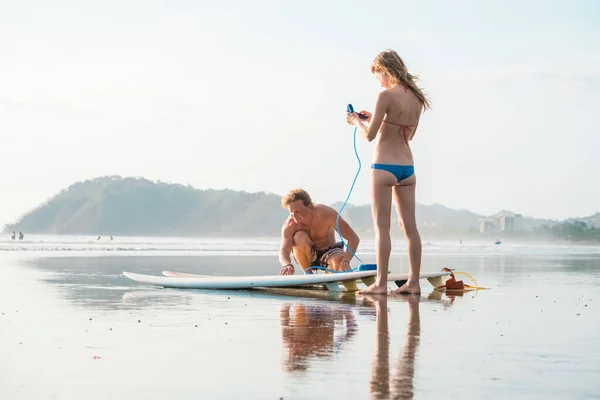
[(408, 287), (375, 289), (375, 301)]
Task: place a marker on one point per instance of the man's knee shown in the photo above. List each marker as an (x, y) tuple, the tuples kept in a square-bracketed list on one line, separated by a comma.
[(335, 262), (301, 239), (335, 258)]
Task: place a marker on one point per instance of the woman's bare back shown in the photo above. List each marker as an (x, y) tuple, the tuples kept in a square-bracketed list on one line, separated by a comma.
[(398, 127)]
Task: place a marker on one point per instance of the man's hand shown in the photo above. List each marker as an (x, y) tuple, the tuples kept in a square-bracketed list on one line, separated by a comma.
[(287, 270), (345, 265)]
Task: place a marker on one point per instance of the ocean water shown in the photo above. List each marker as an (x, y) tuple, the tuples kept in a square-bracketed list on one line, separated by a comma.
[(94, 245), (72, 326)]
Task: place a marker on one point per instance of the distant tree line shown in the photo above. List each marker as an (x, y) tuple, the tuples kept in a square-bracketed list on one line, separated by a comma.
[(575, 231)]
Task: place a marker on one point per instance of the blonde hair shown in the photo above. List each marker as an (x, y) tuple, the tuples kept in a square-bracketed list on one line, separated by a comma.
[(390, 63), (295, 195)]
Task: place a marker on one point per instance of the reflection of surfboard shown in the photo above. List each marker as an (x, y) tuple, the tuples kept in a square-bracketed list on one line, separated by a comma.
[(331, 281)]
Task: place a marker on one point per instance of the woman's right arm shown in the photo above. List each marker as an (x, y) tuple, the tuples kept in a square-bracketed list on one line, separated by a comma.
[(381, 106)]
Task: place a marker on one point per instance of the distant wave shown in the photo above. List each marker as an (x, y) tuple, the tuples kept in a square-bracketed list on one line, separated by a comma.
[(254, 246), (138, 244)]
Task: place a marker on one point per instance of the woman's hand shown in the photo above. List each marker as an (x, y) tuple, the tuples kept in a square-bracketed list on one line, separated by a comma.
[(352, 118), (368, 114)]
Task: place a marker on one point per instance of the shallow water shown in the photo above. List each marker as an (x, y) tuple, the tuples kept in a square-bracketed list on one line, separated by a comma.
[(52, 245), (74, 327)]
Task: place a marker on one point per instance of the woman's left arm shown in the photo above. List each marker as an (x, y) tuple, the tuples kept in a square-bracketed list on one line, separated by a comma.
[(381, 106)]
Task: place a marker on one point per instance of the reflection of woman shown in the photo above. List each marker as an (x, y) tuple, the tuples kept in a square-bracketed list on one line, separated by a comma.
[(380, 373), (309, 332), (402, 384), (402, 387)]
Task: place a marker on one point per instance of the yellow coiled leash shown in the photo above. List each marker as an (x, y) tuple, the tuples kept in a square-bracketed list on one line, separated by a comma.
[(454, 285)]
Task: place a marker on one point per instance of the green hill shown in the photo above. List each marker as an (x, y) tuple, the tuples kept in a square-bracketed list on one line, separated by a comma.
[(135, 206)]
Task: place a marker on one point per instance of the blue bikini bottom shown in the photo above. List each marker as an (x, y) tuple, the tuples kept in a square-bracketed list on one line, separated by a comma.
[(401, 172)]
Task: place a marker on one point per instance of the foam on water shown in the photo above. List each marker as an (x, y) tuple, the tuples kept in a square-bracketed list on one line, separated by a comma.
[(259, 246)]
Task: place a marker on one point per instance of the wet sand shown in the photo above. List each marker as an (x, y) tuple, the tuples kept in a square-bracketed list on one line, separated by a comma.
[(74, 327)]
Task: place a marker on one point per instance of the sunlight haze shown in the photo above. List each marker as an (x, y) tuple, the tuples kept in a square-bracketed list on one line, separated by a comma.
[(252, 96)]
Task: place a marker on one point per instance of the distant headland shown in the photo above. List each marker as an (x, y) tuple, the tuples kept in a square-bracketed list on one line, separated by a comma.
[(114, 205)]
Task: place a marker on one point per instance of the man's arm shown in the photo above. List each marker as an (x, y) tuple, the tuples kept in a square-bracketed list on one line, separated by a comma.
[(285, 249), (352, 239)]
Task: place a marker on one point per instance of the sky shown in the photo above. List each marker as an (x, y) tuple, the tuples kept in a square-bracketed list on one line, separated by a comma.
[(252, 96)]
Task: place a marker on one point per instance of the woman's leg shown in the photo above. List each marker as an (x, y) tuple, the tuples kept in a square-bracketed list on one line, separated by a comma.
[(404, 197), (381, 207)]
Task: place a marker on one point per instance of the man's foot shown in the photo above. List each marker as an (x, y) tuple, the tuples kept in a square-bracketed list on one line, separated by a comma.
[(375, 289), (408, 287)]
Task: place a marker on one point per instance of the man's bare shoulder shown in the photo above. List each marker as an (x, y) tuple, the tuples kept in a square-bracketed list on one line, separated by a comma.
[(325, 212)]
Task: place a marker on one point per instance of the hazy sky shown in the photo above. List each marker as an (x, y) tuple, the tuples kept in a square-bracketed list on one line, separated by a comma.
[(252, 95)]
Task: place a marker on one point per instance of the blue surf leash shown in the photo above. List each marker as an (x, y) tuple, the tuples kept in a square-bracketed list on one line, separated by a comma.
[(362, 266)]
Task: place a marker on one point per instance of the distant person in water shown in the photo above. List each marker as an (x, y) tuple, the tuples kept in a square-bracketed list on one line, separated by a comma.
[(393, 123), (309, 233), (21, 236), (14, 235)]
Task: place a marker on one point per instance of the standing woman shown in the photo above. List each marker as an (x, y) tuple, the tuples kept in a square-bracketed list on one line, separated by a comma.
[(394, 123)]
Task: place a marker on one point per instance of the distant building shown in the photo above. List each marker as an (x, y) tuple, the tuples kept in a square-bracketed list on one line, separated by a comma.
[(502, 222), (486, 225), (507, 223), (518, 224)]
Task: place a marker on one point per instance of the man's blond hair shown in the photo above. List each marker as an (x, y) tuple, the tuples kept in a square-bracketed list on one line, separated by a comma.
[(295, 195)]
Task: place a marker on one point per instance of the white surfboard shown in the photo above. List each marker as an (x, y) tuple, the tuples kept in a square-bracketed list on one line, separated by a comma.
[(174, 274), (331, 281), (391, 277)]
